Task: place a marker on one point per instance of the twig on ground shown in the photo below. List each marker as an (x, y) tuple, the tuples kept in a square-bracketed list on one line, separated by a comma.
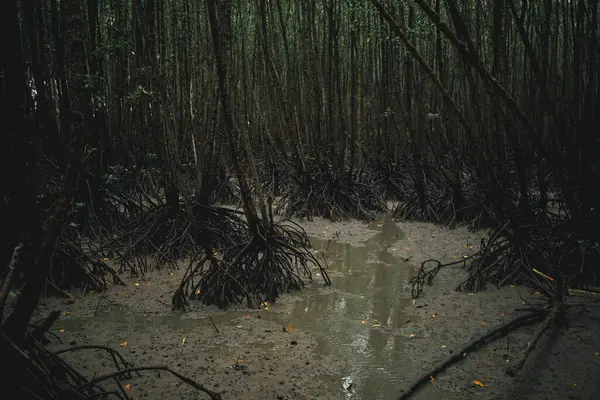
[(213, 322)]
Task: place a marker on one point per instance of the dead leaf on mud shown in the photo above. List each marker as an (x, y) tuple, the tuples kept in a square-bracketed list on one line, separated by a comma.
[(62, 331), (127, 387), (483, 324), (431, 379), (433, 316), (123, 344), (478, 383), (597, 353)]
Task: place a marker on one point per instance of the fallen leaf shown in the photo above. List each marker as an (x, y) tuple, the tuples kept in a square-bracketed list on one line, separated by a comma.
[(197, 291), (483, 324), (123, 344), (524, 302), (171, 273), (289, 328), (478, 383), (183, 341), (512, 285), (537, 292), (431, 379), (67, 313), (502, 314), (412, 335), (105, 259), (363, 322), (127, 387), (433, 316), (266, 308), (377, 324), (137, 284), (443, 346), (62, 331), (597, 353)]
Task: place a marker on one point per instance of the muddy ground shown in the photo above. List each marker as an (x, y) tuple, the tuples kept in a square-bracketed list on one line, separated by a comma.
[(254, 357)]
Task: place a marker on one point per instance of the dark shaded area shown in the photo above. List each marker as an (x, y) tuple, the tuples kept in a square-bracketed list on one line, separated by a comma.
[(128, 125)]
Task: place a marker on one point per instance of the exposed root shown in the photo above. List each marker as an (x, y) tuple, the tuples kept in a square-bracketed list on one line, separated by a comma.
[(463, 351), (189, 381), (555, 314), (269, 264), (167, 239), (37, 373), (74, 266), (331, 195), (426, 276)]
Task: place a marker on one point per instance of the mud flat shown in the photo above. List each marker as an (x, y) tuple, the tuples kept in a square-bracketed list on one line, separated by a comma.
[(364, 337)]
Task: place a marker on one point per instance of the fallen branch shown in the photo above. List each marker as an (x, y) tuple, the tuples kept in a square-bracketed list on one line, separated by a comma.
[(459, 354)]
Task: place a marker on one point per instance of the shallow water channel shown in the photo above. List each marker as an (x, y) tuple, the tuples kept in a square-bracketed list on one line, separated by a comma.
[(355, 321)]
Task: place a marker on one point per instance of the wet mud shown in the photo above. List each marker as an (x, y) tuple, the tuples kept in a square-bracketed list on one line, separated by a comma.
[(361, 338)]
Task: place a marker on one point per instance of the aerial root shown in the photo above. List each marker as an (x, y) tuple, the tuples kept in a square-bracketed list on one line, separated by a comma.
[(326, 195), (270, 263)]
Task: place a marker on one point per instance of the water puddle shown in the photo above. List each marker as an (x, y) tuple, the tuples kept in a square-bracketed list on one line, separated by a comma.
[(356, 321)]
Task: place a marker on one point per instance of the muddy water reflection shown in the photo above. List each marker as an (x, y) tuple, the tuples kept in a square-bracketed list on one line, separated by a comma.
[(356, 319)]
